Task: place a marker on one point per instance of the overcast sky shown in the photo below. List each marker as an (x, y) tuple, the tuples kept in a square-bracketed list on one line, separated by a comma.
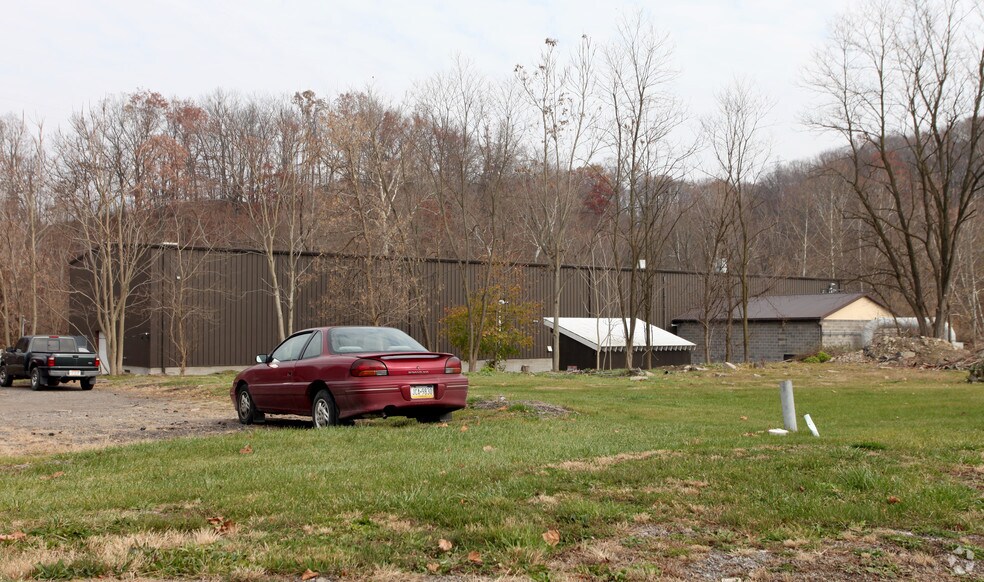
[(60, 56)]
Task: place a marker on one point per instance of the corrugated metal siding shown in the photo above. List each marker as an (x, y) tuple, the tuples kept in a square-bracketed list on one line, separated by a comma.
[(234, 290)]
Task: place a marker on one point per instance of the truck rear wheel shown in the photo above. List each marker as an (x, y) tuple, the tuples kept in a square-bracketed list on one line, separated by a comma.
[(5, 379), (36, 382), (87, 383)]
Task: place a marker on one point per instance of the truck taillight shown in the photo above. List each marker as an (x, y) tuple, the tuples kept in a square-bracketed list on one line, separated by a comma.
[(367, 367), (97, 362), (51, 361), (452, 366)]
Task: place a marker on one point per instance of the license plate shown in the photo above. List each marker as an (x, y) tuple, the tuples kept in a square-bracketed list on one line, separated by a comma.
[(75, 372), (426, 391)]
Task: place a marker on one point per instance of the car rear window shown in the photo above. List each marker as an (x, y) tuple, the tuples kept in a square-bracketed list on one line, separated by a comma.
[(53, 344), (353, 340)]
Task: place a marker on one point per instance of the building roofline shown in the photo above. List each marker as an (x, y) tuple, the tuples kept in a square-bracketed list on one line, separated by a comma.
[(444, 260)]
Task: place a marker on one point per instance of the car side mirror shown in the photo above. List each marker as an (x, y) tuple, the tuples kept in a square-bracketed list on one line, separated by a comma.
[(261, 359)]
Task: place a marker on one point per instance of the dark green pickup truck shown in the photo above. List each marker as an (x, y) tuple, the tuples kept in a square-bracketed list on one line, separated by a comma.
[(49, 360)]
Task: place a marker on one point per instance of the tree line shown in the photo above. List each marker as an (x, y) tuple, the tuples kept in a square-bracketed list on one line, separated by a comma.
[(584, 155)]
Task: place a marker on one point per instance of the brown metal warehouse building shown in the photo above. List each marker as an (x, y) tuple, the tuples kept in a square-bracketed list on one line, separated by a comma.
[(242, 321)]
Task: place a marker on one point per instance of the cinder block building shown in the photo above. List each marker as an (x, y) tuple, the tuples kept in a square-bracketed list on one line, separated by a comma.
[(783, 327)]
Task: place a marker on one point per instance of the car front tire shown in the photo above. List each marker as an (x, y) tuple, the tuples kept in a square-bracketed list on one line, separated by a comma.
[(245, 408), (5, 379), (87, 383), (323, 410), (36, 382)]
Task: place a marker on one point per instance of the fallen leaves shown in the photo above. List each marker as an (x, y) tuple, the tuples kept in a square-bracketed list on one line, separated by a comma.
[(222, 525), (433, 567), (743, 417), (474, 557), (13, 537), (247, 450), (892, 500), (309, 574), (488, 448), (552, 537), (445, 545), (464, 428), (54, 475)]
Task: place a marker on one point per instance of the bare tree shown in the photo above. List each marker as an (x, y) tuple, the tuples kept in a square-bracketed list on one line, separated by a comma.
[(24, 173), (470, 150), (105, 183), (271, 154), (736, 137), (714, 216), (902, 83), (640, 117), (562, 101), (373, 148)]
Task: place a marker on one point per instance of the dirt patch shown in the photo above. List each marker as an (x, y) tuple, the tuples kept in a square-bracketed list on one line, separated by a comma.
[(535, 406), (669, 551), (68, 419)]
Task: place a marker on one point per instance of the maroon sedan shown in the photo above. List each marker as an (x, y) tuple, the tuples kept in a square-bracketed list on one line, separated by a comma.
[(337, 374)]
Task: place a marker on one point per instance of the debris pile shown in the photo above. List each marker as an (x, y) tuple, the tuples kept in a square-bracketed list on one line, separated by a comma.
[(925, 352), (914, 350)]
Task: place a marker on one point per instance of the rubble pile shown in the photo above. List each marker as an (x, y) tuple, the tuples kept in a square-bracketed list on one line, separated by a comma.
[(924, 352), (915, 351)]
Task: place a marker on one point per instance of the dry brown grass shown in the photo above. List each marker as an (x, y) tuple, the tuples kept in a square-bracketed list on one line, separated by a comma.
[(599, 463)]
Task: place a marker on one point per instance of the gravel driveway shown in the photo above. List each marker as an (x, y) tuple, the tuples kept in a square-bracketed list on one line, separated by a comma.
[(69, 419)]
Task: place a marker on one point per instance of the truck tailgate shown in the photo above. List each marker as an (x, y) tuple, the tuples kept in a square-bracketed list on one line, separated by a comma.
[(79, 360)]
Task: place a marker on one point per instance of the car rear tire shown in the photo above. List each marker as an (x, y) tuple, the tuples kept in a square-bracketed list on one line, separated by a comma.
[(324, 413), (36, 382), (5, 379), (87, 383), (245, 408)]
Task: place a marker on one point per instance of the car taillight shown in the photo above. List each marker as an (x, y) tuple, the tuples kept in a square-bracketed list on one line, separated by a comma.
[(97, 362), (51, 361), (452, 366), (367, 367)]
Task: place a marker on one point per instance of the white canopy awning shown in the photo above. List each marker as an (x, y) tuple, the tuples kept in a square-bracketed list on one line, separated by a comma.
[(608, 334)]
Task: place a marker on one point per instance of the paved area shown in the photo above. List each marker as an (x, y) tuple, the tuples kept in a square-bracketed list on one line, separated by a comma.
[(69, 419)]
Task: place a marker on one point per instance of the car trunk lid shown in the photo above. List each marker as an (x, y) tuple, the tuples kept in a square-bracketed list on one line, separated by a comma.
[(411, 363)]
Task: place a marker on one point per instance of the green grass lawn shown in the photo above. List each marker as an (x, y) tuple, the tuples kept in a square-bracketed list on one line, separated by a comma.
[(640, 480)]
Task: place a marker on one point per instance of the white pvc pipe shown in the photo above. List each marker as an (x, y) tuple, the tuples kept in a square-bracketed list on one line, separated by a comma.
[(810, 425), (788, 406)]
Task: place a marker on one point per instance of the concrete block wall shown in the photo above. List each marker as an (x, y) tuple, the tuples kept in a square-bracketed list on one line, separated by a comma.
[(769, 341), (843, 333)]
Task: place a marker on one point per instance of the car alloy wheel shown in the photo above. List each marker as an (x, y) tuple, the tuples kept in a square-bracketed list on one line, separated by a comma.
[(35, 379), (245, 409), (323, 411)]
